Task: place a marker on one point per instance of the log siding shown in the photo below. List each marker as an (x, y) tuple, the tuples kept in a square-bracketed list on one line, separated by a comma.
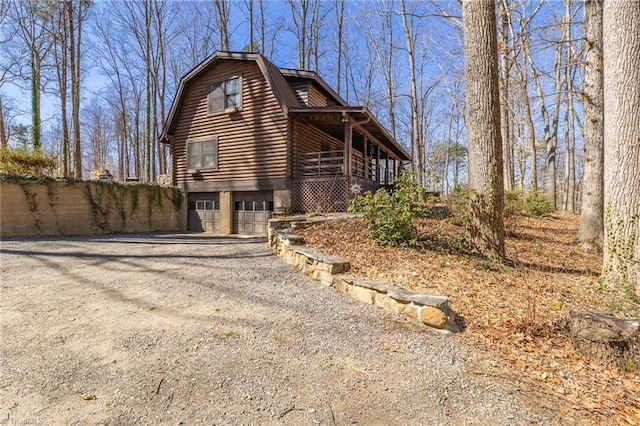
[(287, 119), (315, 97), (252, 142), (308, 138)]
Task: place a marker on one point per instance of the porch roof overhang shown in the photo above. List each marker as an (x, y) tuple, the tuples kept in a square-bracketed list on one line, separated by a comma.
[(332, 120)]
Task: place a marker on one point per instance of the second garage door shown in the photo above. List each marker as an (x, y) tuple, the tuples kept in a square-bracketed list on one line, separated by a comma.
[(251, 212)]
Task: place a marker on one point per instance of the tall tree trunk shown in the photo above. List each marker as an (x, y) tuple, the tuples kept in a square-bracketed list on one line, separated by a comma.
[(35, 99), (570, 134), (504, 95), (531, 136), (62, 62), (300, 21), (416, 151), (570, 141), (3, 130), (160, 83), (621, 47), (483, 127), (340, 20), (550, 123), (391, 99), (74, 66), (263, 39), (121, 148), (137, 159), (252, 47), (222, 7), (592, 210), (521, 152), (449, 146), (147, 93)]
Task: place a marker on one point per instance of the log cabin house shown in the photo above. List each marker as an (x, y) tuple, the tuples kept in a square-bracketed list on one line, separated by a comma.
[(248, 138)]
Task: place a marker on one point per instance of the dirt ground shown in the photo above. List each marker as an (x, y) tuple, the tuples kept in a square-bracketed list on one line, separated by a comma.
[(515, 313), (189, 329)]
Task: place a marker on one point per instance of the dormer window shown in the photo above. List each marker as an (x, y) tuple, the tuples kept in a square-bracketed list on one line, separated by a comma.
[(225, 95)]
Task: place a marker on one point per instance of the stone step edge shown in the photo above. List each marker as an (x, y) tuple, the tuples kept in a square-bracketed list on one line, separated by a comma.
[(430, 310)]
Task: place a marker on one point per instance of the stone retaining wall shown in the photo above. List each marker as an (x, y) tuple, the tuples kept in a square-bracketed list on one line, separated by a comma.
[(30, 207), (332, 271)]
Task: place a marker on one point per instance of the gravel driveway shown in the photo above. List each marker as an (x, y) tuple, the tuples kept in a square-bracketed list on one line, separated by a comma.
[(187, 329)]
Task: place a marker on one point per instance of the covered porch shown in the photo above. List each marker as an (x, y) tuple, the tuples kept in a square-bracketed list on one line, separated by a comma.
[(335, 148)]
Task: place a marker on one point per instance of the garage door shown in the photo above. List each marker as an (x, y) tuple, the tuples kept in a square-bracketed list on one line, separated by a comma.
[(251, 212), (204, 212)]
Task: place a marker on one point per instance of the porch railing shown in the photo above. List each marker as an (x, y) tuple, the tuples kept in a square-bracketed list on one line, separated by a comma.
[(322, 163), (331, 163), (367, 169)]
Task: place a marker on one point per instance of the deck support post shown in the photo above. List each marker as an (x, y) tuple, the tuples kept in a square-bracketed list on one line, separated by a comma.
[(348, 139), (386, 168), (377, 148), (365, 155)]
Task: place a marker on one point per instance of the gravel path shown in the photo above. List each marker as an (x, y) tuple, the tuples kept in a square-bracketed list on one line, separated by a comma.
[(187, 329)]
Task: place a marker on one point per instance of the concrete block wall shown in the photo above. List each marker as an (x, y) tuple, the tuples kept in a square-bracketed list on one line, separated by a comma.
[(83, 208)]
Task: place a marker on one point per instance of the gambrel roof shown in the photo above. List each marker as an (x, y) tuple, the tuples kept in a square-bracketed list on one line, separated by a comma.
[(277, 79)]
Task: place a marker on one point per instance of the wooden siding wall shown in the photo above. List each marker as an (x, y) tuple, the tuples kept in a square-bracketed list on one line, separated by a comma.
[(301, 91), (316, 98), (309, 95), (309, 139), (252, 143)]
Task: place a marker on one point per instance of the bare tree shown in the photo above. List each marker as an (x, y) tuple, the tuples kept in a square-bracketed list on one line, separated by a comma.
[(592, 211), (3, 131), (268, 30), (417, 144), (550, 121), (147, 90), (224, 13), (308, 21), (570, 70), (621, 48), (30, 21), (75, 49), (505, 52), (99, 127), (61, 58), (339, 5), (483, 127), (252, 46)]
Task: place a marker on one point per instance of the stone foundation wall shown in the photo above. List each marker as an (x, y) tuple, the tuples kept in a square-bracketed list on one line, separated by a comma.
[(30, 207), (332, 271)]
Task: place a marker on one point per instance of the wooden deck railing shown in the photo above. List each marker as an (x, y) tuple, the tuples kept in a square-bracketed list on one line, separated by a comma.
[(322, 163), (331, 163)]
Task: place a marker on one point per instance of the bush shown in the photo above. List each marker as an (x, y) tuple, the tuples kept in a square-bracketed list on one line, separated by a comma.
[(458, 204), (530, 203), (390, 213), (22, 162)]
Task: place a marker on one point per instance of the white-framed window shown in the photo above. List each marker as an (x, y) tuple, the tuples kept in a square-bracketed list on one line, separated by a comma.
[(202, 154), (225, 95)]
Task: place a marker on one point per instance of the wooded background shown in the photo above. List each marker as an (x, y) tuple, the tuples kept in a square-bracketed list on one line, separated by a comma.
[(93, 81)]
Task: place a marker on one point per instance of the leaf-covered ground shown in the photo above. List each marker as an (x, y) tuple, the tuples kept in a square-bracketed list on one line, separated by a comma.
[(513, 313)]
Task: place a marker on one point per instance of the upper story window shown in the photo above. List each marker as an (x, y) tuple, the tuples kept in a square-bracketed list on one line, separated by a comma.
[(202, 153), (225, 95)]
